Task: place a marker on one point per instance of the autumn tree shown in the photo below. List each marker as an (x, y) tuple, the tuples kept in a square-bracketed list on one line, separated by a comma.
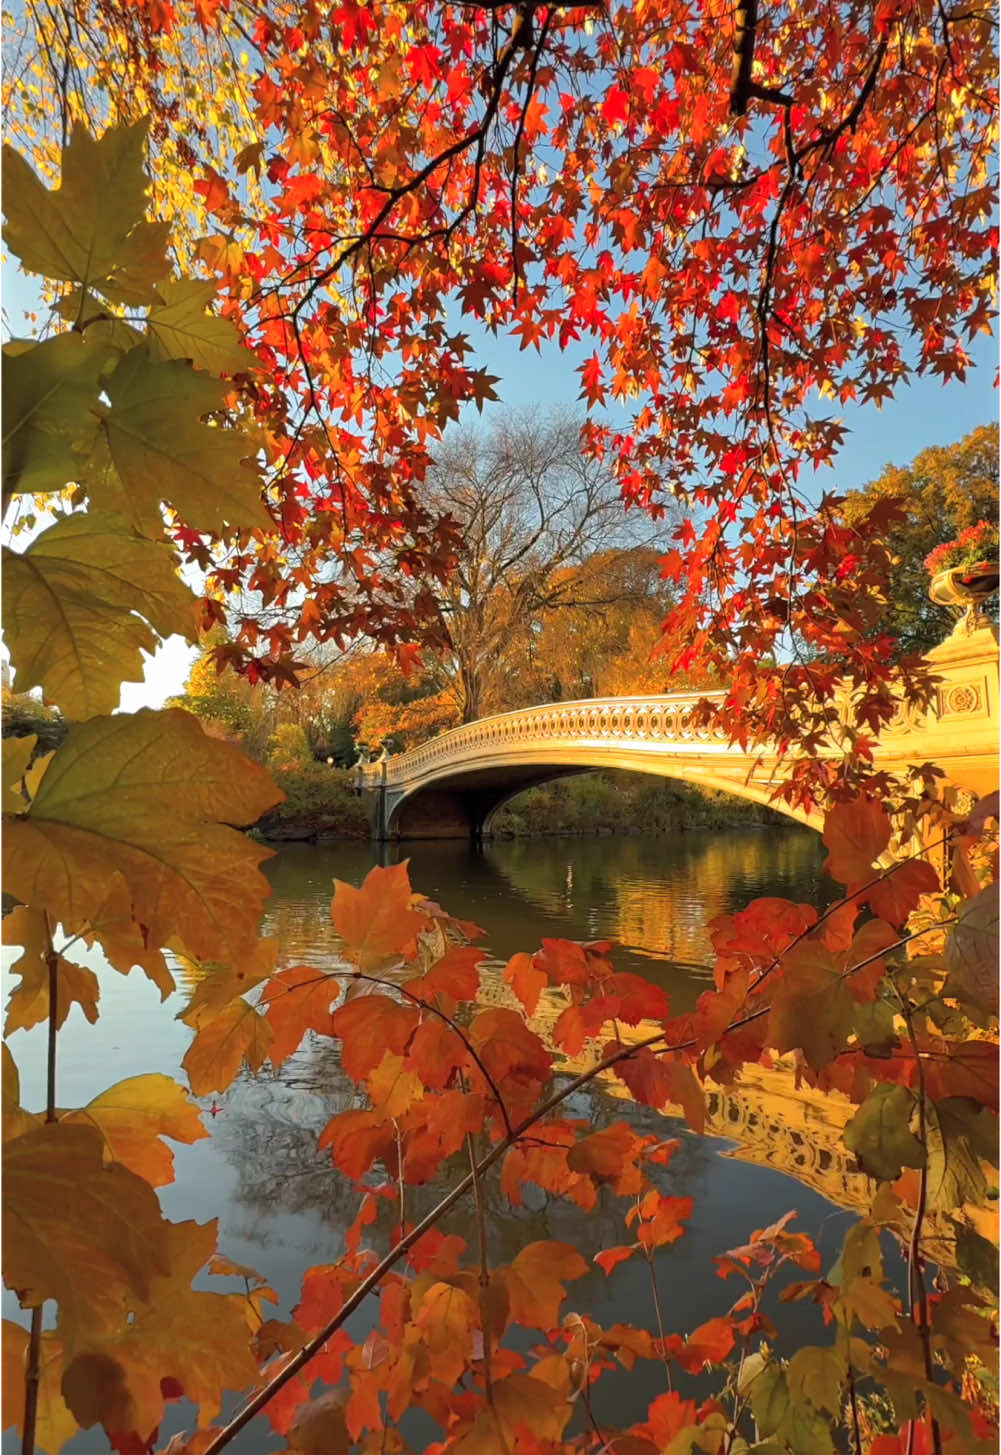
[(537, 521), (735, 214), (741, 214), (942, 492)]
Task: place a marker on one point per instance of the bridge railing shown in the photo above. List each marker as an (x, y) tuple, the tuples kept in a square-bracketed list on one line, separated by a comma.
[(667, 718)]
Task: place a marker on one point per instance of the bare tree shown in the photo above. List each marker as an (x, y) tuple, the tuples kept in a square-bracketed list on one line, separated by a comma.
[(530, 508)]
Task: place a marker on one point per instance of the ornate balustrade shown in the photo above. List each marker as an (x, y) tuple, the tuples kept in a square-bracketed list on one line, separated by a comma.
[(664, 720)]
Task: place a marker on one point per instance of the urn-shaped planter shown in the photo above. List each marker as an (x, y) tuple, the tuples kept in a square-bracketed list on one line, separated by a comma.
[(966, 588)]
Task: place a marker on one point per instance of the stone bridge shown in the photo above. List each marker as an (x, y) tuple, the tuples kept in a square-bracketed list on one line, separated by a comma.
[(451, 786)]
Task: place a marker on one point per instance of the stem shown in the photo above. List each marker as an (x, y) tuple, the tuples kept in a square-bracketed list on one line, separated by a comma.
[(32, 1375), (658, 1312), (481, 1229), (916, 1292), (33, 1367), (856, 1430)]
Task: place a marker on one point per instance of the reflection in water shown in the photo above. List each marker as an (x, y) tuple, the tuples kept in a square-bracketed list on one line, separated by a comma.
[(651, 895), (281, 1205)]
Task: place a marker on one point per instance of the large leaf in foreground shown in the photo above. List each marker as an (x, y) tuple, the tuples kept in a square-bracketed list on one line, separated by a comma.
[(89, 229), (50, 395), (74, 608), (163, 451), (89, 1235), (147, 796), (200, 1340), (180, 328)]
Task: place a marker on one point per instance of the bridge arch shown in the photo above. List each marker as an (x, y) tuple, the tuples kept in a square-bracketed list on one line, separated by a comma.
[(449, 787)]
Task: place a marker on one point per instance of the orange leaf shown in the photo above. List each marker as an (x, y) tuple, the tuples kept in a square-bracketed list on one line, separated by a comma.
[(535, 1282), (298, 1000), (526, 980), (369, 1026), (609, 1258), (856, 834), (376, 921)]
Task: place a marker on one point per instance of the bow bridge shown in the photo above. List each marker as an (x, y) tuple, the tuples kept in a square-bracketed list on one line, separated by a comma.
[(451, 786)]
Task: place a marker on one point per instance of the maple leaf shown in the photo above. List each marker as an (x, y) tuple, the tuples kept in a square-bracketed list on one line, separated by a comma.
[(55, 1424), (508, 1048), (181, 328), (163, 451), (609, 1155), (105, 1222), (76, 612), (879, 1133), (133, 1115), (534, 1281), (147, 796), (369, 1027), (377, 922), (50, 392), (234, 1034), (298, 1000), (90, 229), (526, 980), (194, 1340), (29, 1002), (856, 834)]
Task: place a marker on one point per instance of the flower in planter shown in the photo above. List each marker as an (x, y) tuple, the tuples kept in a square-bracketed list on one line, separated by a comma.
[(976, 545)]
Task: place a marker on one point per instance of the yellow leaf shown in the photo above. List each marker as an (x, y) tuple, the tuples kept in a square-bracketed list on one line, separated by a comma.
[(236, 1033), (90, 229), (180, 328), (199, 1339), (147, 796), (76, 608), (15, 1120), (76, 1230), (163, 451), (29, 1002), (55, 1425), (123, 941), (216, 985), (16, 757), (133, 1115)]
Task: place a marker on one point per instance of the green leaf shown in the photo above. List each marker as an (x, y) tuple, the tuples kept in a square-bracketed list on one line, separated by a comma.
[(769, 1396), (818, 1377), (148, 796), (977, 1258), (16, 757), (879, 1133), (50, 401), (74, 609), (90, 229), (180, 328), (962, 1137), (164, 452), (971, 953)]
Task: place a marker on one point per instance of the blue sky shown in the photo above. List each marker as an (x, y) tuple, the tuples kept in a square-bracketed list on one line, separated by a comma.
[(925, 412)]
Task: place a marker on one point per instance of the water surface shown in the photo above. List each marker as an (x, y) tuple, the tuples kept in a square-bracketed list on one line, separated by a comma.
[(282, 1207)]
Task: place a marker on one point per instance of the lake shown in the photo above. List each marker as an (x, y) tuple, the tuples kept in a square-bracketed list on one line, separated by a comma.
[(280, 1205)]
